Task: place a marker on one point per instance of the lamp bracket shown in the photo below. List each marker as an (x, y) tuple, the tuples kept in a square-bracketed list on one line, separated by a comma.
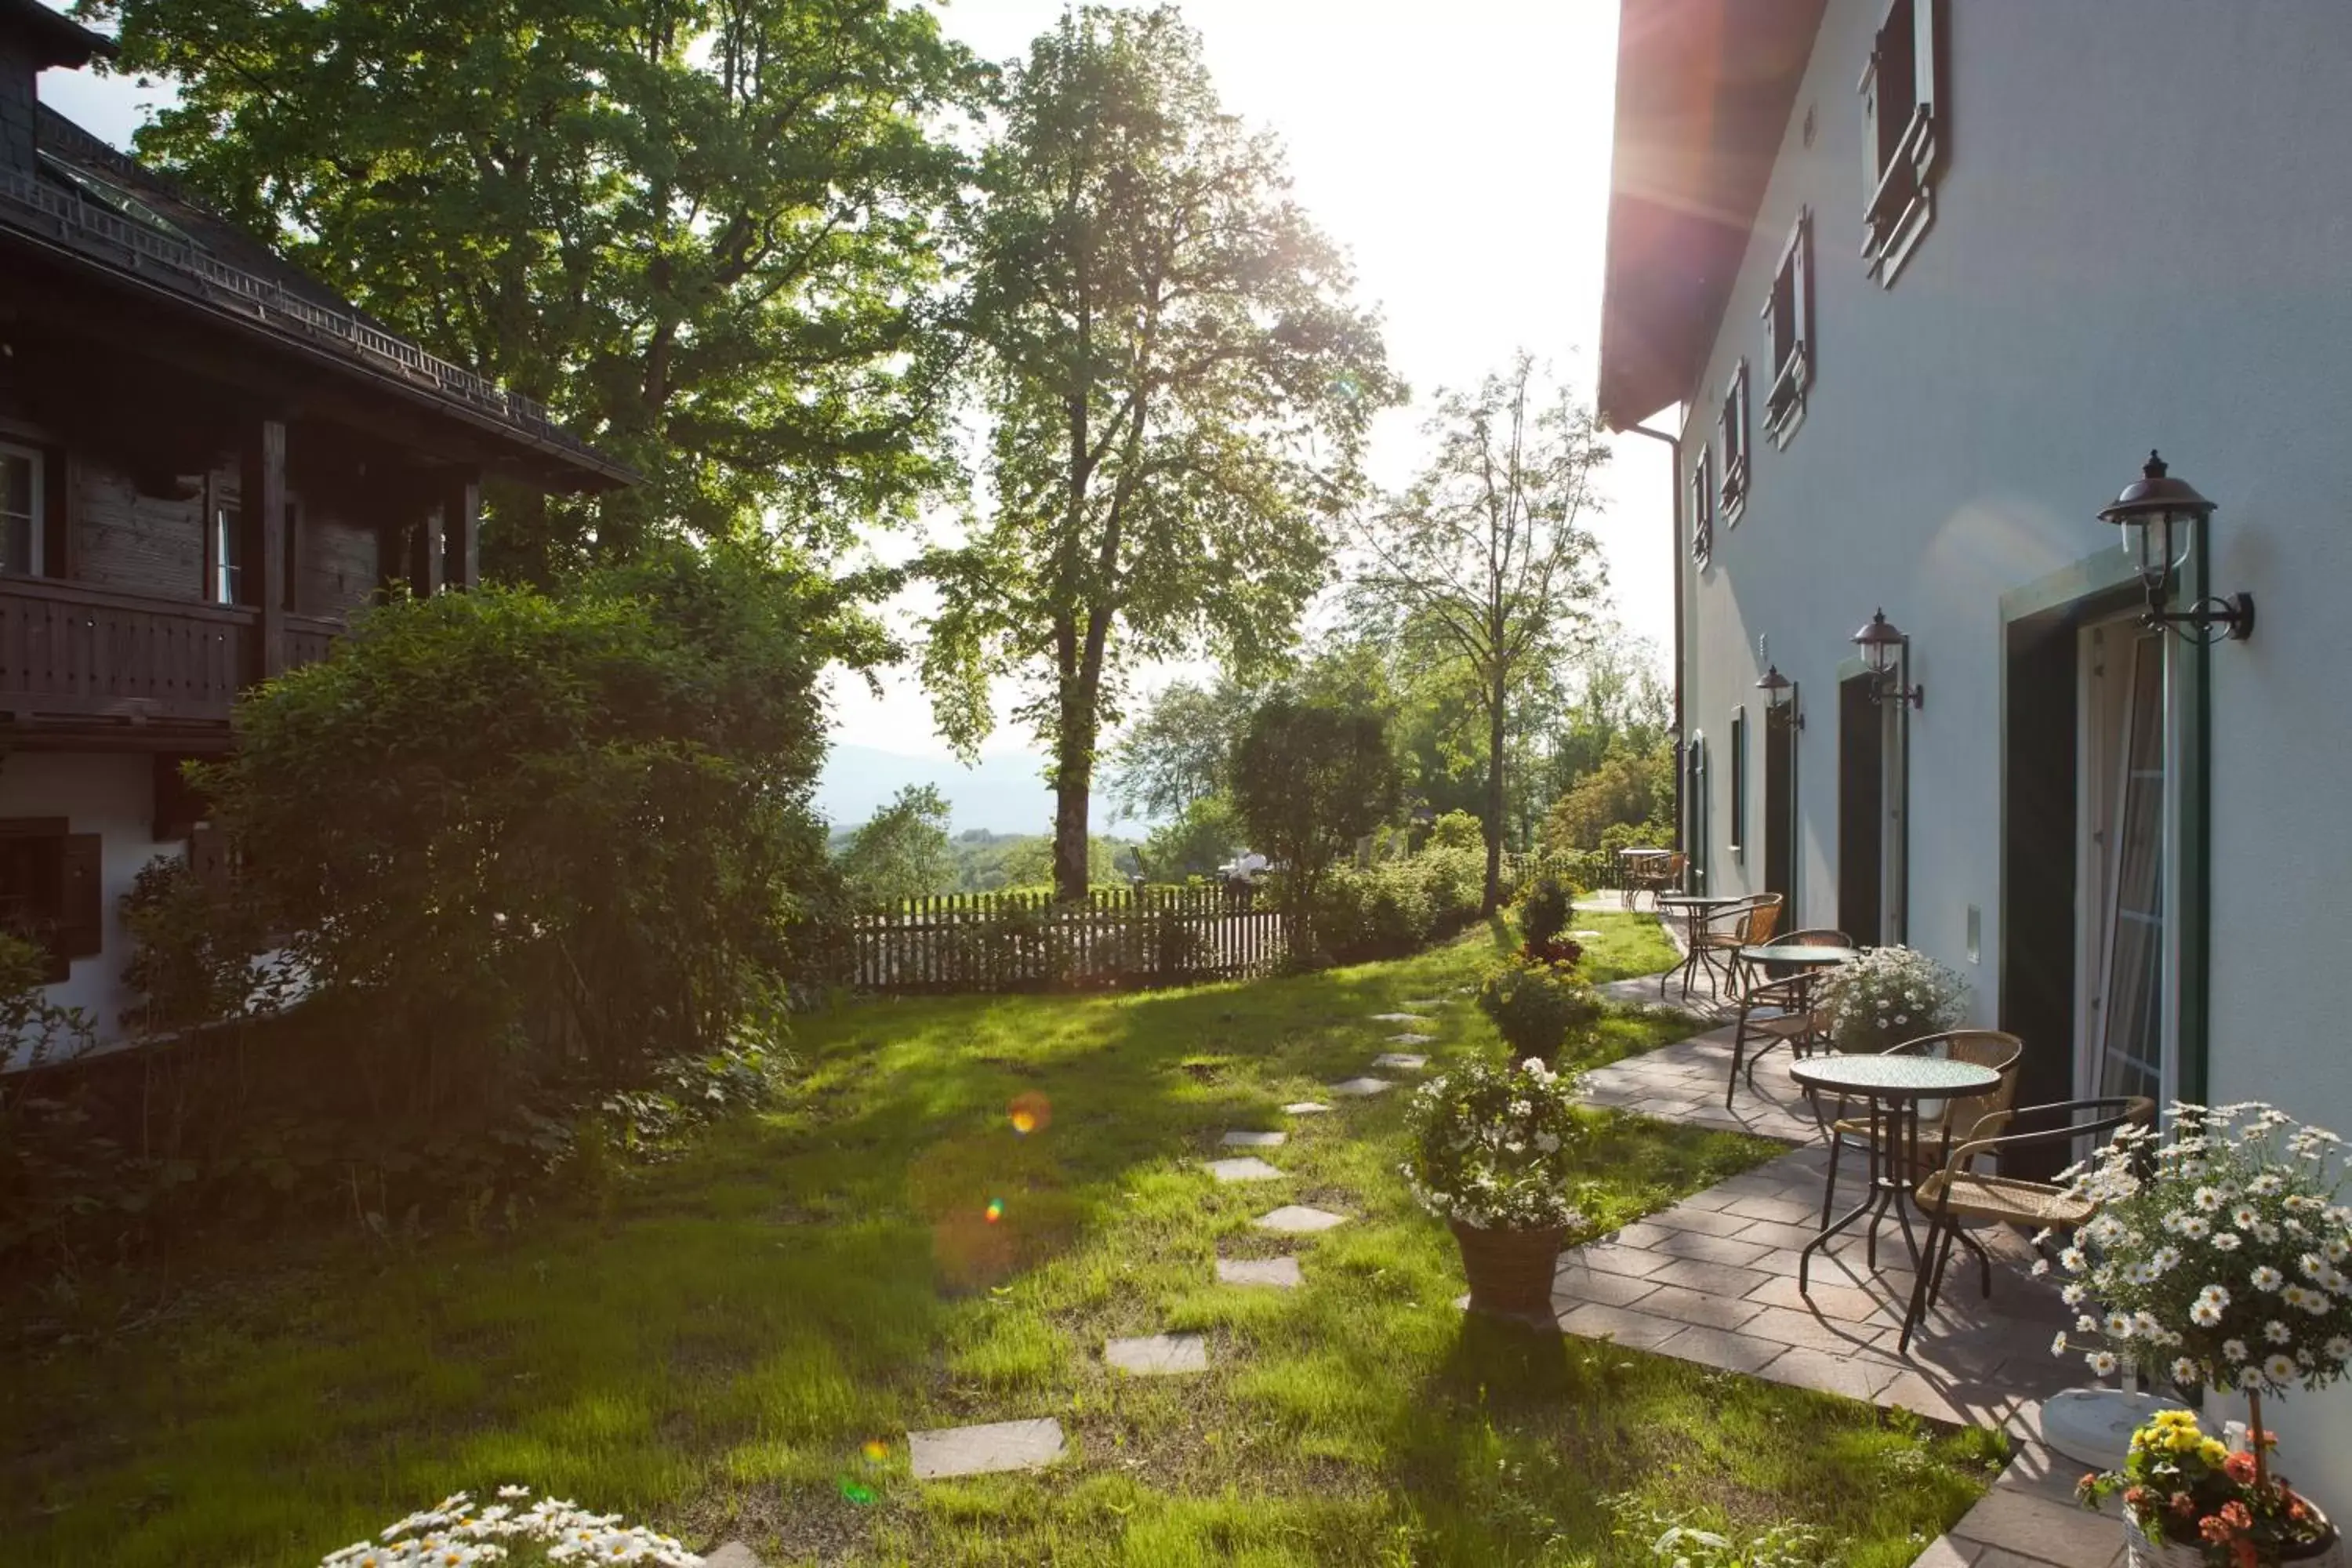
[(2228, 617)]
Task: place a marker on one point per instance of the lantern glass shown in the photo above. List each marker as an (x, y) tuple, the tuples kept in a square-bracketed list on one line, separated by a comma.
[(1879, 655)]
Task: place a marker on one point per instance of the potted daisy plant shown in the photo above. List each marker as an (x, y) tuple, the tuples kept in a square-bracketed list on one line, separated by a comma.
[(1493, 1154), (2218, 1254)]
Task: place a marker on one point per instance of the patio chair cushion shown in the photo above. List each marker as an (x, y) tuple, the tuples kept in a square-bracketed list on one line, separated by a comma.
[(1964, 1194)]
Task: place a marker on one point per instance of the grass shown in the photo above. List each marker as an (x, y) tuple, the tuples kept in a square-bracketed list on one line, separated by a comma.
[(711, 1345)]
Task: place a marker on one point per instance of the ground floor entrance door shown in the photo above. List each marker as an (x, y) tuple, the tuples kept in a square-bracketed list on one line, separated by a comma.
[(2123, 965), (1862, 812), (1781, 814)]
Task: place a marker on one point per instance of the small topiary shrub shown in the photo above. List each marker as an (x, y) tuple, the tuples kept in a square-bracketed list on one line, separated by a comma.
[(1545, 908), (1539, 1006)]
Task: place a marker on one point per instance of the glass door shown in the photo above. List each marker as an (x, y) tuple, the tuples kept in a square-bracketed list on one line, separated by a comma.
[(2128, 1012)]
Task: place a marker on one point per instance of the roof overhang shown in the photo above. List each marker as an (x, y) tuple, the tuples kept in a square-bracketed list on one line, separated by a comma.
[(1704, 88), (56, 40)]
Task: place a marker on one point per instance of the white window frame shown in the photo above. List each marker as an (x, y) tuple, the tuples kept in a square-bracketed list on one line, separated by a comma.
[(40, 519), (1792, 361), (1900, 168)]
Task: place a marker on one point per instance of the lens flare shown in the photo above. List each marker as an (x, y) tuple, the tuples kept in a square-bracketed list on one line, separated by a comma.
[(1030, 1111), (877, 1450), (857, 1492), (995, 1210)]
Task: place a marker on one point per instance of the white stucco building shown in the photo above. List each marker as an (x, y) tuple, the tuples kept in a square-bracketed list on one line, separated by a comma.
[(1954, 267)]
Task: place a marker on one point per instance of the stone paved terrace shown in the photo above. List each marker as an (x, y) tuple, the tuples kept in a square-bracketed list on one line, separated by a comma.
[(1683, 1082)]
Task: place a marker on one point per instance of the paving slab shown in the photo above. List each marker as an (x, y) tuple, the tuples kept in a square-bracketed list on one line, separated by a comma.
[(1403, 1061), (985, 1449), (733, 1554), (1401, 1018), (1254, 1139), (1362, 1087), (1297, 1219), (1424, 1001), (1157, 1355), (1412, 1039), (1248, 1168), (1305, 1108), (1280, 1273)]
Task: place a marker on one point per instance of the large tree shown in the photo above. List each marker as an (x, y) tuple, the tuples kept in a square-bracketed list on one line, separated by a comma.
[(901, 852), (1178, 386), (1484, 565), (1309, 779), (705, 231), (1175, 753)]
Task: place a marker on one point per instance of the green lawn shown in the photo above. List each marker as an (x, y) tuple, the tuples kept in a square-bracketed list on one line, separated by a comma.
[(711, 1345)]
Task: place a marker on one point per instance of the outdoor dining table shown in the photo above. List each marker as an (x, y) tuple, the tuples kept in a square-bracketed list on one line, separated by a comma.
[(1695, 907), (1894, 1086), (1628, 859)]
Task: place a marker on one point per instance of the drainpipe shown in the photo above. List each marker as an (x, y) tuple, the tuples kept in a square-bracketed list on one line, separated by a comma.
[(1675, 555)]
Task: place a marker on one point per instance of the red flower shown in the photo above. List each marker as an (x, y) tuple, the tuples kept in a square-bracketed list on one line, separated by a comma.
[(2134, 1495), (2238, 1514), (2184, 1505), (2239, 1467)]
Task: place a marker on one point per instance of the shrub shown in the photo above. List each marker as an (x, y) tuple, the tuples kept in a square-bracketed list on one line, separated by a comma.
[(1377, 911), (1545, 908), (1495, 1147), (1538, 1006), (1453, 880), (1457, 830), (1888, 995), (1559, 950)]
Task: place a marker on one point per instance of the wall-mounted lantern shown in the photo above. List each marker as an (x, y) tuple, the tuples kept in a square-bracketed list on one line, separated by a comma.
[(2159, 516), (1780, 698), (1886, 649)]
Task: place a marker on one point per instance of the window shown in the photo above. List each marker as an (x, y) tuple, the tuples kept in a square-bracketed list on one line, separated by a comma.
[(49, 889), (228, 555), (24, 510), (1789, 322), (1904, 135), (1702, 506), (1738, 836), (1734, 447)]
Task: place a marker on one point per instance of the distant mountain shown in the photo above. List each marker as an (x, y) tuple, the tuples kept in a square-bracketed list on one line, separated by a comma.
[(1003, 793)]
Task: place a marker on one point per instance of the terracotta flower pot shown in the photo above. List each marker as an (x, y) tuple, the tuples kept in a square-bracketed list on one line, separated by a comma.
[(1510, 1270)]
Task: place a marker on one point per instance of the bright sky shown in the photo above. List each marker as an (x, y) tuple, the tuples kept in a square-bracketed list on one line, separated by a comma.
[(1460, 151)]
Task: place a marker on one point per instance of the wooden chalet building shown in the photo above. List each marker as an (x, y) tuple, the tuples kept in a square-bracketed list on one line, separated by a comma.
[(207, 460)]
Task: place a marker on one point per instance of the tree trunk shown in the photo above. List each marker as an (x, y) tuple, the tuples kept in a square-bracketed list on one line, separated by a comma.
[(1493, 898), (1074, 766)]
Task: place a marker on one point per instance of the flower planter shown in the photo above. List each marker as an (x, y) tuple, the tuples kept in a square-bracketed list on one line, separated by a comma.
[(1510, 1270), (2327, 1552)]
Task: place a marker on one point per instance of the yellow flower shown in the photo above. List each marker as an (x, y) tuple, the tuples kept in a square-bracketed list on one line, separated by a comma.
[(2212, 1450)]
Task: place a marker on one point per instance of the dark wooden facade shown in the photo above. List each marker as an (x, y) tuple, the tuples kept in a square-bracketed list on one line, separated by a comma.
[(227, 459)]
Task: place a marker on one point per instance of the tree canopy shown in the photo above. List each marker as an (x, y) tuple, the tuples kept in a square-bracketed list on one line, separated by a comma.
[(706, 232), (1309, 779), (1177, 384), (901, 852), (1483, 567)]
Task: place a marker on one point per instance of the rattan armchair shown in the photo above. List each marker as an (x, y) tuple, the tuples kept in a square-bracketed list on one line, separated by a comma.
[(1985, 1047), (1750, 924), (1959, 1192), (1778, 1010)]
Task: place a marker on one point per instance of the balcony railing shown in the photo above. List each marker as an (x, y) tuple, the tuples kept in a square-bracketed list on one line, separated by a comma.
[(70, 649)]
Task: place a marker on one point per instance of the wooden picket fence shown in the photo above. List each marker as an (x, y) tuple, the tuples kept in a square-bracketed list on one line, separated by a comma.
[(1026, 941)]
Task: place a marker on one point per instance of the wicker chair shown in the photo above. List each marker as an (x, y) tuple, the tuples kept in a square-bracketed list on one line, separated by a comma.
[(1778, 1010), (1751, 924), (1985, 1047), (1957, 1192)]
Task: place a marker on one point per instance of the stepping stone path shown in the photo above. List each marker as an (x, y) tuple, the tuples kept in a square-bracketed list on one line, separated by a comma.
[(734, 1554), (1297, 1219), (1410, 1038), (1360, 1087), (1280, 1273), (1305, 1108), (1401, 1018), (984, 1450), (1157, 1355), (1424, 1001), (1402, 1059), (1255, 1140), (1249, 1168)]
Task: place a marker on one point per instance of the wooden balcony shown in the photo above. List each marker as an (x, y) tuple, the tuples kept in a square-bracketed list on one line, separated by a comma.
[(81, 658)]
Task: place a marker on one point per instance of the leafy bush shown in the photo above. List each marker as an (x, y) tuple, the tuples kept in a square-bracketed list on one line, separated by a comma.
[(1497, 1147), (1457, 830), (1545, 908), (1376, 912), (1559, 950), (1454, 879), (1538, 1006)]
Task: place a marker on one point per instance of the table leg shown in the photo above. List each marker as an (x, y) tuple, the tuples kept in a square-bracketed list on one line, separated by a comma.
[(1870, 1197)]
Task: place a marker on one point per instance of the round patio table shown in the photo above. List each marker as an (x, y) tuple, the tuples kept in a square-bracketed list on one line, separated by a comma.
[(1894, 1086), (1694, 908)]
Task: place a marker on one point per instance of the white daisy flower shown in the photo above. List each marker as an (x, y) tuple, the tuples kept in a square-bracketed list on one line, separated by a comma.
[(2279, 1368), (2186, 1371), (2233, 1350), (2101, 1362), (2278, 1333), (2266, 1278)]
